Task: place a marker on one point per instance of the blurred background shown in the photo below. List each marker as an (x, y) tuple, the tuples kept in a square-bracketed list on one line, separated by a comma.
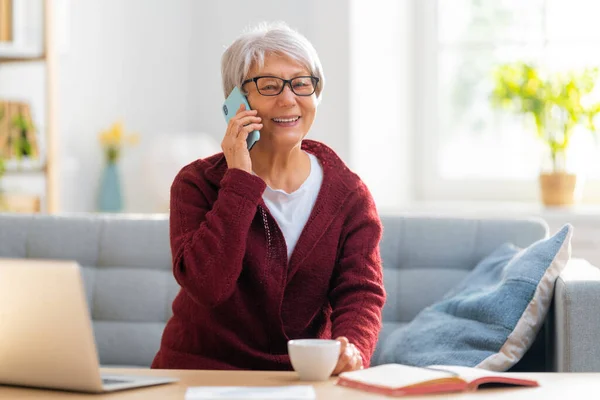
[(436, 104)]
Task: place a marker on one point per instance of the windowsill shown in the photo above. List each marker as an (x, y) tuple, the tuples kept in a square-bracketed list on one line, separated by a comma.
[(495, 209)]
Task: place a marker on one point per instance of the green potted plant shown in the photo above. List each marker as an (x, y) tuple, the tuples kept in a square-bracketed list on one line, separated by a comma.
[(557, 103), (23, 146)]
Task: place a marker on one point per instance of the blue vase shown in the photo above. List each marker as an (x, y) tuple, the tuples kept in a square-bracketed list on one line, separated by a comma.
[(109, 196)]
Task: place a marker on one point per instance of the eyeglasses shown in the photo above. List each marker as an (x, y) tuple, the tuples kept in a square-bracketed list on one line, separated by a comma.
[(272, 85)]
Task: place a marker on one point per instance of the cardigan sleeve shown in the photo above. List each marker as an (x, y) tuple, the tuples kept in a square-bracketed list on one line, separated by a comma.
[(208, 241), (357, 294)]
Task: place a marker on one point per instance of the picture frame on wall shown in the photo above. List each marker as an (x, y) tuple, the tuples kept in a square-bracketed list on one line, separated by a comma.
[(21, 28)]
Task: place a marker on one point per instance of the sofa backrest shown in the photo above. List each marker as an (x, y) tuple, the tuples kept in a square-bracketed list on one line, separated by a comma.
[(127, 274), (129, 284), (425, 256)]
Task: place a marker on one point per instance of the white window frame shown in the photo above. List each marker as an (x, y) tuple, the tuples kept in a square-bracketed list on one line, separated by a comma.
[(429, 185)]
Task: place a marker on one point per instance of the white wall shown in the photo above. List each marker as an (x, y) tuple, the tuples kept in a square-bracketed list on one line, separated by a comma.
[(382, 106), (126, 60), (156, 65)]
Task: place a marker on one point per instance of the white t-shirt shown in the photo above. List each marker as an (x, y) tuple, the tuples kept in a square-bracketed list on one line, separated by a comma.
[(291, 210)]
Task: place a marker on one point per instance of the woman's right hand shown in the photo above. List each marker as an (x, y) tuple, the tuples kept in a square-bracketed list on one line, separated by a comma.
[(234, 144)]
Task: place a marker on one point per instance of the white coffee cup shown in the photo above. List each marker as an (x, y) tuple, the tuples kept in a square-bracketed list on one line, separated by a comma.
[(314, 359)]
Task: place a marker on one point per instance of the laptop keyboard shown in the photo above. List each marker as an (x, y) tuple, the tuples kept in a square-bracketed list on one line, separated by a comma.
[(110, 381)]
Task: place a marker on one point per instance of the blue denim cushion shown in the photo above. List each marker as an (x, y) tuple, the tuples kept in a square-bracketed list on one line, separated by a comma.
[(492, 317)]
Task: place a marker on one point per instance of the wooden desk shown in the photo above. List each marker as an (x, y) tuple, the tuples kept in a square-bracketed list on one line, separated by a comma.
[(553, 386)]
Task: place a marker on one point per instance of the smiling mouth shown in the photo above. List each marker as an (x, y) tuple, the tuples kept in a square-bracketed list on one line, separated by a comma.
[(286, 120)]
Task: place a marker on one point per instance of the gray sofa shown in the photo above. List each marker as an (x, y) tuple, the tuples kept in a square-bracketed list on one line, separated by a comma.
[(129, 285)]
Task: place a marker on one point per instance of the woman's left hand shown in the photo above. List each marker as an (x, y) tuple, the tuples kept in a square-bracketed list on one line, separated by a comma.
[(350, 358)]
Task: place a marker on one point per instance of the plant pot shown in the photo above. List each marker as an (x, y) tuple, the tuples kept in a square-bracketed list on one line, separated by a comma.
[(558, 188)]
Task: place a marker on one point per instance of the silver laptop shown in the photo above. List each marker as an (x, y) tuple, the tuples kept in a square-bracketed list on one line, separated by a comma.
[(46, 336)]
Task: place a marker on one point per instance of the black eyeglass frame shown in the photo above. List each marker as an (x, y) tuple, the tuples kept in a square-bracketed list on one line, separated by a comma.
[(285, 81)]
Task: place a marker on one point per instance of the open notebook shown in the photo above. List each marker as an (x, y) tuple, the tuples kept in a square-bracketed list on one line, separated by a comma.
[(404, 380)]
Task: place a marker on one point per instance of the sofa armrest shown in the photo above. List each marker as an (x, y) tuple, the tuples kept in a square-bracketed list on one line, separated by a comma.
[(576, 322)]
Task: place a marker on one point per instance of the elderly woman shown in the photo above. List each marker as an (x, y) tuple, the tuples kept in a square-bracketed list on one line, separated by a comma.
[(276, 243)]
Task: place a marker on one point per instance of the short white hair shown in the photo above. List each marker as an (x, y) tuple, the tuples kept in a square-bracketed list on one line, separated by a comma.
[(264, 39)]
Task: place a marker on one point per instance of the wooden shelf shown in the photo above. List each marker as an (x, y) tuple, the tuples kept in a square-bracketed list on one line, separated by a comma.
[(25, 171), (12, 60), (19, 203), (51, 203)]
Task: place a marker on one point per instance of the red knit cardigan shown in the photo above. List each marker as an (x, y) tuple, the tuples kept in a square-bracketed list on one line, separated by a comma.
[(240, 299)]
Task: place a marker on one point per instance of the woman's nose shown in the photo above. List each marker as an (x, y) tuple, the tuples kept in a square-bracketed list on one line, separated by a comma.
[(286, 97)]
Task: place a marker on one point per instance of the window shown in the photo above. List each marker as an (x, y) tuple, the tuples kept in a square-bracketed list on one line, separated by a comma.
[(468, 150)]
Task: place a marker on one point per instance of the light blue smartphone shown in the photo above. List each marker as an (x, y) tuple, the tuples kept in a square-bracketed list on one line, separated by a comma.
[(230, 107)]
